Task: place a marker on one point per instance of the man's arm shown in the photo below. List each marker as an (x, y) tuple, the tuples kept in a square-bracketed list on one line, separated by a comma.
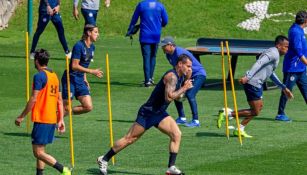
[(28, 107), (261, 62), (134, 19), (76, 67), (164, 18), (170, 81), (75, 11), (61, 124)]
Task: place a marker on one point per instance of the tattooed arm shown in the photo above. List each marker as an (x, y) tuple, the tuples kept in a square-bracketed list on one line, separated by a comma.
[(170, 81)]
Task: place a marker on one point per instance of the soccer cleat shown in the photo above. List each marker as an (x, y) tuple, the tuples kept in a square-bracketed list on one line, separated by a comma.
[(173, 170), (32, 54), (179, 121), (92, 60), (220, 119), (103, 165), (283, 118), (243, 133), (66, 171), (192, 124)]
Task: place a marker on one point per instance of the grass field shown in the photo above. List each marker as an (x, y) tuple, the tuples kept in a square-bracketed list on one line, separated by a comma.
[(276, 149)]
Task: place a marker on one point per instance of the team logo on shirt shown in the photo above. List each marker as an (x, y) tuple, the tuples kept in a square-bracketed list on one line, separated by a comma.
[(292, 78)]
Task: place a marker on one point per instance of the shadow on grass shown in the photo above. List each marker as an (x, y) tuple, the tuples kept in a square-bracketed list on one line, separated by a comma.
[(116, 83), (12, 56), (209, 134), (120, 121), (17, 134), (97, 172)]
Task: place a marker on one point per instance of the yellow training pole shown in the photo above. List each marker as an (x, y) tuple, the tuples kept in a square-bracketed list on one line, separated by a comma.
[(109, 104), (27, 78), (224, 89), (233, 93), (70, 116)]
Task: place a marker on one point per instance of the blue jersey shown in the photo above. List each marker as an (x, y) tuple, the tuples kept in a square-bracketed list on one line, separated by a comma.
[(157, 102), (297, 48), (197, 68), (153, 17), (40, 80), (43, 5), (84, 54)]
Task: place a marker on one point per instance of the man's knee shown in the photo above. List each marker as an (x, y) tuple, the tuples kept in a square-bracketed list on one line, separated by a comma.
[(88, 108), (256, 112), (176, 135), (38, 153)]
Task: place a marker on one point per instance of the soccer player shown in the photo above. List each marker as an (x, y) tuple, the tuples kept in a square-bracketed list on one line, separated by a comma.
[(89, 10), (49, 10), (153, 17), (47, 111), (172, 53), (153, 113), (82, 53), (253, 81), (294, 66)]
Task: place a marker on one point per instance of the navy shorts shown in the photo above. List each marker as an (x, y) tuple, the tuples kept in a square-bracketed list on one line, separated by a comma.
[(148, 118), (42, 133), (252, 93), (76, 89)]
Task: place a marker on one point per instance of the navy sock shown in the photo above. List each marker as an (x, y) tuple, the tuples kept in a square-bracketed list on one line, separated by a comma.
[(172, 159), (59, 167), (39, 171), (109, 155)]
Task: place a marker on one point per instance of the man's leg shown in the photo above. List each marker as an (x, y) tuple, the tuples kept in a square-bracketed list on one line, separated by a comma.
[(169, 127), (146, 62), (57, 22), (40, 166), (89, 16), (290, 81), (153, 53), (41, 25), (44, 158), (134, 133), (191, 96), (86, 105), (302, 85), (181, 116)]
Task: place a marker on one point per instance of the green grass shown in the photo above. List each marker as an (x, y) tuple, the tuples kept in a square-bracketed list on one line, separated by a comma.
[(276, 149)]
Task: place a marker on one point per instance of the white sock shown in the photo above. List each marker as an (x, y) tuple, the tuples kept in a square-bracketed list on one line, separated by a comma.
[(183, 118), (242, 127), (196, 121)]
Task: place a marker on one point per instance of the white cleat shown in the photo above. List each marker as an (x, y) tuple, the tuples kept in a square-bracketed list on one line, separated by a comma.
[(173, 170), (103, 165)]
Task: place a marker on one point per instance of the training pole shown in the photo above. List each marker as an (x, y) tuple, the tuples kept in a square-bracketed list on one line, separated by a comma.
[(27, 79), (70, 116), (224, 89), (233, 93), (109, 104)]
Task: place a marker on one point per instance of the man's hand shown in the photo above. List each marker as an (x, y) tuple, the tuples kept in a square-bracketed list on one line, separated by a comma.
[(61, 127), (75, 13), (56, 9), (97, 72), (243, 80), (50, 11), (18, 120), (188, 84), (288, 93)]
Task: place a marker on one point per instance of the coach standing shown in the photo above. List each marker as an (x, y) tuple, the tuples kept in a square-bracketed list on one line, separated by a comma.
[(153, 17), (294, 66)]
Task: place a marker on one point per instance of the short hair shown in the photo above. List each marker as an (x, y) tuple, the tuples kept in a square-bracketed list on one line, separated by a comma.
[(42, 56), (183, 58), (300, 17), (279, 39), (87, 28)]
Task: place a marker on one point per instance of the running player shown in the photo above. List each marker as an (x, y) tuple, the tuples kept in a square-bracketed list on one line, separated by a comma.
[(153, 113)]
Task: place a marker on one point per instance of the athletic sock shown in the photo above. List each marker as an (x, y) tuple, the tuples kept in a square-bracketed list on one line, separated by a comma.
[(172, 159), (242, 127), (109, 155), (39, 171), (58, 166)]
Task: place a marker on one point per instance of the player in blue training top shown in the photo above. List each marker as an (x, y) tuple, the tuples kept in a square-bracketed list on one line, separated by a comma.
[(153, 17), (295, 61), (47, 112), (253, 81), (198, 76), (49, 10), (153, 113), (82, 53)]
